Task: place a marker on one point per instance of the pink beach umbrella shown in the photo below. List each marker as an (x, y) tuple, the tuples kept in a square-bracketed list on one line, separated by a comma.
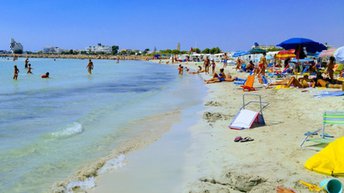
[(328, 52)]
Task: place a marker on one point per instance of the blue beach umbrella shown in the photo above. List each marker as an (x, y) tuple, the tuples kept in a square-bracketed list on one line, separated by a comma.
[(296, 43), (240, 53)]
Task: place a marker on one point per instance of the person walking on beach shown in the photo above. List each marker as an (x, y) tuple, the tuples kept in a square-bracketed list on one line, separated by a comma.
[(26, 62), (89, 66), (330, 67), (206, 64), (16, 72), (238, 64), (225, 60), (213, 66), (29, 69), (261, 68)]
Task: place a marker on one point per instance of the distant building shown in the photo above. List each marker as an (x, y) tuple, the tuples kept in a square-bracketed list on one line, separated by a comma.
[(99, 48), (16, 47), (53, 50), (178, 46)]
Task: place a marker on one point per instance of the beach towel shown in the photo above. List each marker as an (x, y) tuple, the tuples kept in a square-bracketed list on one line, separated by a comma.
[(328, 94)]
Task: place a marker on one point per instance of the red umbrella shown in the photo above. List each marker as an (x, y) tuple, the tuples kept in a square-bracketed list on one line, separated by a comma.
[(284, 54)]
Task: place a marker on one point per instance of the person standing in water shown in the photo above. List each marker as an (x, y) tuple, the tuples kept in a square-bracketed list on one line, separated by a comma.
[(89, 66), (29, 70), (26, 62), (16, 72)]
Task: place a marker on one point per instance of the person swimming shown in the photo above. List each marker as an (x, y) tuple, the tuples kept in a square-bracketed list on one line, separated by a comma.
[(46, 75)]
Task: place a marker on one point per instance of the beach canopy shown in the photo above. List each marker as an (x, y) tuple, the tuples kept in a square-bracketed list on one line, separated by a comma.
[(240, 53), (297, 43), (284, 54), (330, 160), (328, 52), (339, 55), (257, 51)]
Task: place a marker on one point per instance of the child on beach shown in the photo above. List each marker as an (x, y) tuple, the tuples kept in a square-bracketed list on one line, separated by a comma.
[(16, 72), (89, 66)]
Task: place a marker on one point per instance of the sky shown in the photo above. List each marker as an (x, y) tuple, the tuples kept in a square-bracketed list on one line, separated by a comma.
[(139, 24)]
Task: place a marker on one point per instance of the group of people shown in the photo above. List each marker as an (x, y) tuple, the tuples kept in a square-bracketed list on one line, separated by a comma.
[(28, 67), (29, 70), (325, 79)]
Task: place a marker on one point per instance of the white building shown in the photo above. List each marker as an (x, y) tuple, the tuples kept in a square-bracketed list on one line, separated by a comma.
[(16, 47), (53, 50), (99, 48)]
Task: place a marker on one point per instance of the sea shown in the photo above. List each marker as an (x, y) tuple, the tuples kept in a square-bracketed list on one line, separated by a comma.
[(50, 128)]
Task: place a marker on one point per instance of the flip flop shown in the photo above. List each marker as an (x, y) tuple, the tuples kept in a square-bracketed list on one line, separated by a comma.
[(246, 139), (237, 139)]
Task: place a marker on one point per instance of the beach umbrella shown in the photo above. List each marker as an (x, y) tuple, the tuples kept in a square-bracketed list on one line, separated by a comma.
[(284, 54), (257, 51), (298, 43), (328, 52), (240, 53), (339, 55)]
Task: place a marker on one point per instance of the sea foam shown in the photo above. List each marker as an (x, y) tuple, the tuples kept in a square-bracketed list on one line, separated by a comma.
[(74, 129), (83, 185), (115, 163)]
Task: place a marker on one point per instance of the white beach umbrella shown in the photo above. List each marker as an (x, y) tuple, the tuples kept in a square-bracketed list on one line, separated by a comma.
[(339, 55)]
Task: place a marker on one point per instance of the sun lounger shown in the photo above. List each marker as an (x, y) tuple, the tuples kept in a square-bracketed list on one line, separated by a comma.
[(329, 118)]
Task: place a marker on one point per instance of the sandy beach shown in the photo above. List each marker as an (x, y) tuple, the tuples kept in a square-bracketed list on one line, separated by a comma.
[(215, 163)]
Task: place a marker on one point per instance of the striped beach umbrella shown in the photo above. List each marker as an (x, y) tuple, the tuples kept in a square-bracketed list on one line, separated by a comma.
[(328, 52), (284, 54)]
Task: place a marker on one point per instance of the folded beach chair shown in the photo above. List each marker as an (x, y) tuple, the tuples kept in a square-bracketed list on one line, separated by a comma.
[(329, 118), (248, 86), (239, 81)]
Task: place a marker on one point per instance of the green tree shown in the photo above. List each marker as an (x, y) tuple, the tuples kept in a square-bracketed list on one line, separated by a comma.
[(175, 52), (114, 50), (206, 51), (215, 50), (197, 50)]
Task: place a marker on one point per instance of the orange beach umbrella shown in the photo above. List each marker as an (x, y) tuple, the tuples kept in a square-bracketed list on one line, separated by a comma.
[(284, 54)]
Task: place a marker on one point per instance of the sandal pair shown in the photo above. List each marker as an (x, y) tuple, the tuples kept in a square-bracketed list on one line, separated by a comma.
[(245, 139)]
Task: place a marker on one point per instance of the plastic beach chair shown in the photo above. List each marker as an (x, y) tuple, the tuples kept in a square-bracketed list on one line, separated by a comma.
[(248, 86), (329, 118)]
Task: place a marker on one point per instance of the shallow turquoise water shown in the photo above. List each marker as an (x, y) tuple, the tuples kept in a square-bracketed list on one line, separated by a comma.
[(49, 128)]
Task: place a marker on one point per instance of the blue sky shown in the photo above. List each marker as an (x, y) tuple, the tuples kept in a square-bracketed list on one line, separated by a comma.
[(229, 24)]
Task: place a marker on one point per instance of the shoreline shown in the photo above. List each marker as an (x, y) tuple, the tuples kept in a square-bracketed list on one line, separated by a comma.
[(86, 178), (86, 174)]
